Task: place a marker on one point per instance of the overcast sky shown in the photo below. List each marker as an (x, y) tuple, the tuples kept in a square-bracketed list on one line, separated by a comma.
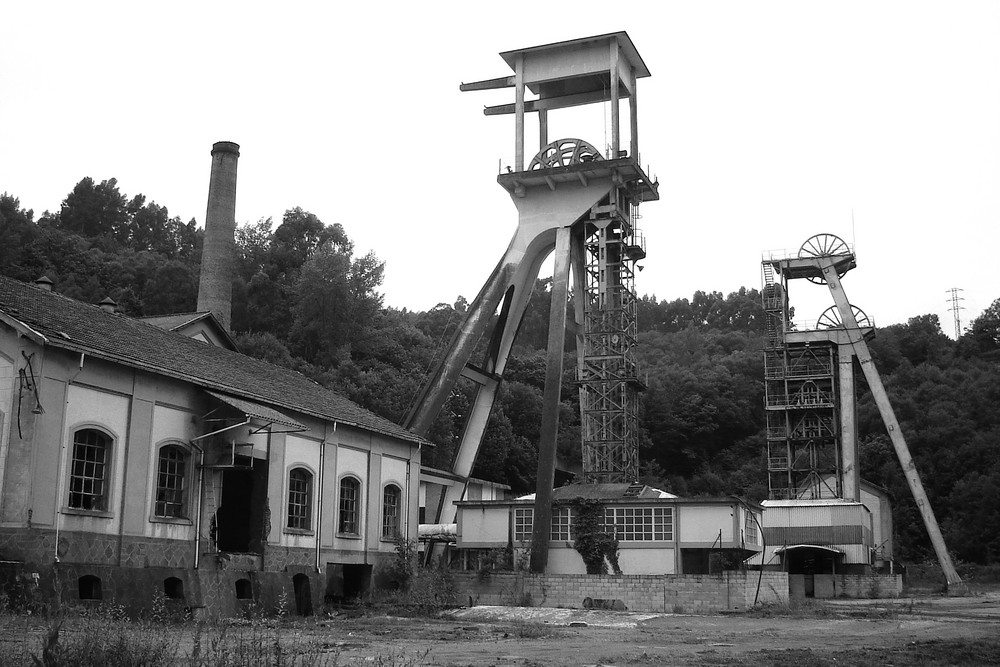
[(765, 123)]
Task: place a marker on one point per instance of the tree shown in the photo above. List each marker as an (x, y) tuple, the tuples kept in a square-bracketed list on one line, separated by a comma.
[(985, 329), (94, 210)]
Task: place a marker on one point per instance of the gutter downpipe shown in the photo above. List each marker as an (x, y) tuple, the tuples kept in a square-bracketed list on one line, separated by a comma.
[(320, 496), (763, 545), (60, 486), (201, 503)]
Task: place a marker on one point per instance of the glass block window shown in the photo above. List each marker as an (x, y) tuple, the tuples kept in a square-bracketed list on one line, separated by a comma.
[(350, 495), (640, 524), (300, 499), (171, 482), (88, 483)]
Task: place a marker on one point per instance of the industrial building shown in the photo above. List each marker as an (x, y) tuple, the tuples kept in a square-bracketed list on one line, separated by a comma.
[(144, 457)]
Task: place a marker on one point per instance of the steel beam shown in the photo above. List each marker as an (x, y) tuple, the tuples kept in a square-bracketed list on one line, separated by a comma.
[(488, 84)]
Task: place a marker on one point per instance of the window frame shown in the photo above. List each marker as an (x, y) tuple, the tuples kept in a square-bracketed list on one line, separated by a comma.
[(184, 518), (635, 526), (356, 511), (397, 529), (561, 529), (107, 469), (305, 502)]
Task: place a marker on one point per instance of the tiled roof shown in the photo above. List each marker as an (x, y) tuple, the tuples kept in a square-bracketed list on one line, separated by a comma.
[(172, 322), (80, 327), (178, 321)]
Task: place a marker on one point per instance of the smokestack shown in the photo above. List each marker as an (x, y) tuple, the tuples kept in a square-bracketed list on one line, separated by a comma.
[(218, 256)]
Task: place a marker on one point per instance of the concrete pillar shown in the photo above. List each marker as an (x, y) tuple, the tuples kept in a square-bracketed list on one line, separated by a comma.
[(218, 257), (850, 470)]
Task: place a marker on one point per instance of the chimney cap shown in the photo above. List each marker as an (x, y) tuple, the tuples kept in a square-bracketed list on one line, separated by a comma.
[(226, 147), (45, 283), (108, 305)]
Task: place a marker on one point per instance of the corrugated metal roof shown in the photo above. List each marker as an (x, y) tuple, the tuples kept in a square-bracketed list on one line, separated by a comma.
[(262, 412)]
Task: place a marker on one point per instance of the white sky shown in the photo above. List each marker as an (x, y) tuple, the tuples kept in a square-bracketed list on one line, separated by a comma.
[(765, 123)]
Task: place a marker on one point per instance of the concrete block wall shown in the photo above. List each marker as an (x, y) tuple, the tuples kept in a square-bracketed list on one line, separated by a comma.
[(728, 591), (868, 585)]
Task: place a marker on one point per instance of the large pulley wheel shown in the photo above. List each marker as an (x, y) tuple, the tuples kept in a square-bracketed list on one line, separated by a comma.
[(823, 245), (830, 319)]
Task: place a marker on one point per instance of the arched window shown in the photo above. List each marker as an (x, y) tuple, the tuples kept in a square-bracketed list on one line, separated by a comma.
[(392, 504), (171, 483), (88, 477), (300, 499), (350, 499)]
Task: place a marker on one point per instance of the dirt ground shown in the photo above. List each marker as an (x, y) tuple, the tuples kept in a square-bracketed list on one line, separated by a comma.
[(921, 631), (910, 631)]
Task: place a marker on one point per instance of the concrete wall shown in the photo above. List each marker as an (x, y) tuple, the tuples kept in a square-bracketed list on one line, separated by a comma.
[(729, 591), (846, 585)]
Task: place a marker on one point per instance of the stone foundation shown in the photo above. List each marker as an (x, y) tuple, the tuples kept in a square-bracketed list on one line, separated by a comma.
[(87, 569)]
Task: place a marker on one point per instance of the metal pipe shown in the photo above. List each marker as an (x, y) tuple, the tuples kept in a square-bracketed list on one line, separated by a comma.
[(221, 430), (201, 503)]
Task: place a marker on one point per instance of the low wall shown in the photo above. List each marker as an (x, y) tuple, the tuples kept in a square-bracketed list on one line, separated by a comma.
[(846, 585), (685, 593)]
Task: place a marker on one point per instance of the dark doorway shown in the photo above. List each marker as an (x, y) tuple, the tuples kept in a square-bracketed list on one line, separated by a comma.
[(357, 581), (240, 517), (234, 512), (303, 595), (347, 583)]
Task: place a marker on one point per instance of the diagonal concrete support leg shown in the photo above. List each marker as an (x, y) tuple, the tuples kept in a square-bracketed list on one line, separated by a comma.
[(542, 524), (891, 424)]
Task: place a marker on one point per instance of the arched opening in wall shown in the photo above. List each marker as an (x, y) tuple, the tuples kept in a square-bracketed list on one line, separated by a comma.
[(173, 588), (303, 595), (244, 589), (89, 587)]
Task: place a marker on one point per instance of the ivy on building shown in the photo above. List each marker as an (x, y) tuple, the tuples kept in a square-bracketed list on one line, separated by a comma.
[(597, 547)]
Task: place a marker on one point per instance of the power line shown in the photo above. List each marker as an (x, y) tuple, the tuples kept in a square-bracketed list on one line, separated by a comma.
[(955, 308)]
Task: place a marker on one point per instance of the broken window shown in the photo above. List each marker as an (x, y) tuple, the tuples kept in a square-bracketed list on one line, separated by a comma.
[(300, 499), (391, 505), (350, 494), (171, 483), (88, 483)]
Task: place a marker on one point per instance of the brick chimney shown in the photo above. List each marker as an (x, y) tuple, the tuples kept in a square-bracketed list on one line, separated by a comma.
[(218, 256)]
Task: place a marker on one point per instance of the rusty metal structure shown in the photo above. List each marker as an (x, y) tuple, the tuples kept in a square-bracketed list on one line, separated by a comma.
[(810, 396), (577, 203)]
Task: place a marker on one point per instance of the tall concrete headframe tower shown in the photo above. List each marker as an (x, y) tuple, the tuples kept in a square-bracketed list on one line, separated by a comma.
[(810, 395), (578, 201)]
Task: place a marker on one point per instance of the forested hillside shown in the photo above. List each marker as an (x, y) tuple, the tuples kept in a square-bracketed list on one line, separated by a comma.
[(303, 299)]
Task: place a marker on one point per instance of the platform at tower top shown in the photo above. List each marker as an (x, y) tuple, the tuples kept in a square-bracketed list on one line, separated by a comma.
[(624, 168)]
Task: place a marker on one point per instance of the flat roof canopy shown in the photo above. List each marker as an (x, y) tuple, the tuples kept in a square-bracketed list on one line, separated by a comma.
[(576, 66), (817, 547)]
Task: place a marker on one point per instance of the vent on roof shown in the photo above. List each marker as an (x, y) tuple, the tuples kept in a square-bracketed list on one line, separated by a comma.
[(108, 305), (45, 283), (634, 490)]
